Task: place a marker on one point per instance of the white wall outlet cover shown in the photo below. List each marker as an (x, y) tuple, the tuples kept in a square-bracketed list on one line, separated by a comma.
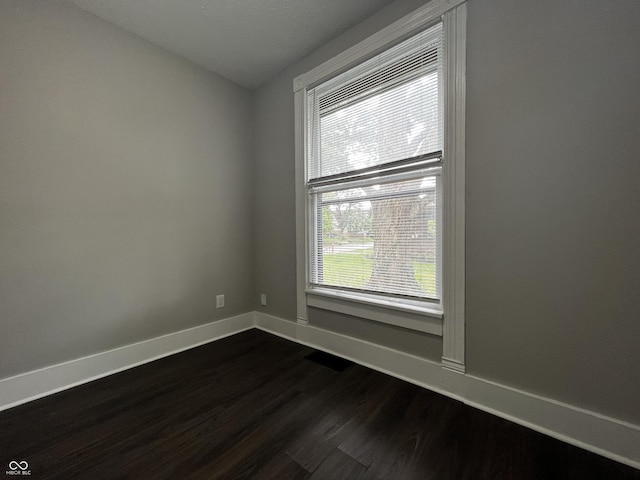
[(219, 301), (263, 299)]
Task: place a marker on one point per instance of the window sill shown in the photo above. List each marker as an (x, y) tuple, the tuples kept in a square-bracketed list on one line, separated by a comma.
[(421, 319)]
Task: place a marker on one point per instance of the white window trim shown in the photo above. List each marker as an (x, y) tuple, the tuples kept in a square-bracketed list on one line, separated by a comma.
[(450, 321), (453, 275)]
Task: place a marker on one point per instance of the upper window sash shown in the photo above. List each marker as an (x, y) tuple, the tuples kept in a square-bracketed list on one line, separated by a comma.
[(376, 87)]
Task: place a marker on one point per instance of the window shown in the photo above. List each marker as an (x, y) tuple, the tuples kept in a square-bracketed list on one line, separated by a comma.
[(375, 147), (380, 178)]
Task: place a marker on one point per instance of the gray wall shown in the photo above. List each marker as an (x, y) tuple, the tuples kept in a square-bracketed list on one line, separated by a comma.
[(416, 343), (553, 199), (125, 188)]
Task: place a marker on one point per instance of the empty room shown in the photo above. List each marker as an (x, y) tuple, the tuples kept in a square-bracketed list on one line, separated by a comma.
[(320, 239)]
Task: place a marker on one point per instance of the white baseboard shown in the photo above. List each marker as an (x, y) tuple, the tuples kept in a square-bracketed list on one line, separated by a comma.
[(600, 434), (606, 436), (45, 381)]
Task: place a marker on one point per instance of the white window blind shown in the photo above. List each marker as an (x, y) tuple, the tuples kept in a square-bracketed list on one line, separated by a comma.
[(374, 146), (385, 109)]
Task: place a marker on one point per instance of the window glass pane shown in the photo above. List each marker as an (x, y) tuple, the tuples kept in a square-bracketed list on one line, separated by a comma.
[(380, 238), (397, 123)]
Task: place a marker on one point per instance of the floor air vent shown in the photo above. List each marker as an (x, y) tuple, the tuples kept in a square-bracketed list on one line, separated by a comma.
[(335, 363)]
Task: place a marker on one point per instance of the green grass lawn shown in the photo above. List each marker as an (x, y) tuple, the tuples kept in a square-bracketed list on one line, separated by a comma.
[(354, 269)]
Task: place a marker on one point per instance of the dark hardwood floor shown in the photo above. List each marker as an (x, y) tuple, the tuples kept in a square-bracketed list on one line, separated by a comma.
[(251, 406)]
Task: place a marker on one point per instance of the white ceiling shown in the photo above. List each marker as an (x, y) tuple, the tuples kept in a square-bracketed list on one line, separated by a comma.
[(246, 41)]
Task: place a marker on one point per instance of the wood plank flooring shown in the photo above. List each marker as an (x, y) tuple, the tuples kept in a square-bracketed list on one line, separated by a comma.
[(252, 407)]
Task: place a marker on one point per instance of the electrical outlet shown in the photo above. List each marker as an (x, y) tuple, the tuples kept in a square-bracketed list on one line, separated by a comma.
[(263, 299), (219, 301)]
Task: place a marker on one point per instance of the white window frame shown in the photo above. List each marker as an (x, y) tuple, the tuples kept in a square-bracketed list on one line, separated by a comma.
[(446, 319)]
